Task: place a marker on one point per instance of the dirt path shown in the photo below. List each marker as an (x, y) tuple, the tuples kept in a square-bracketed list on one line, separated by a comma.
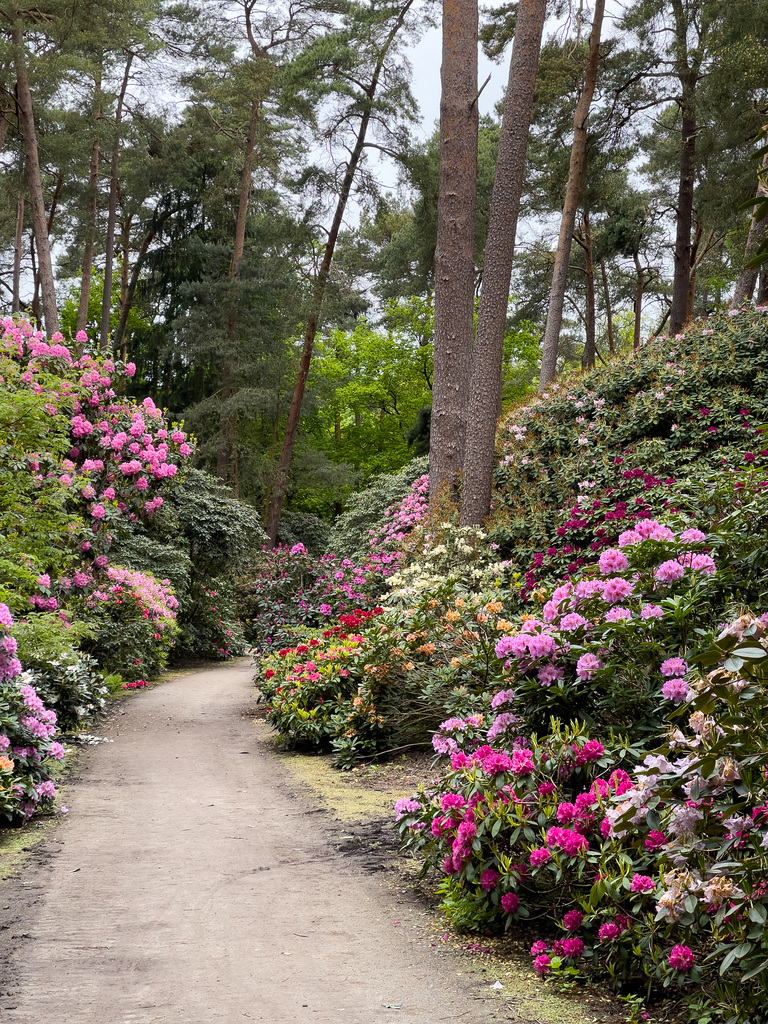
[(192, 882)]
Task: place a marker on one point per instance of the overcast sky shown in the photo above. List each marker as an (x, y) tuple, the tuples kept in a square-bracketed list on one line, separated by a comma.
[(425, 59)]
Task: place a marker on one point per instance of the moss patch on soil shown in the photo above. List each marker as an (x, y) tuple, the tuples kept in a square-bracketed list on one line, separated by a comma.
[(341, 792)]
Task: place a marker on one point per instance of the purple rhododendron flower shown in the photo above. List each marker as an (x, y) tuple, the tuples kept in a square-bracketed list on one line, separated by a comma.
[(669, 572), (676, 690), (587, 665), (674, 667)]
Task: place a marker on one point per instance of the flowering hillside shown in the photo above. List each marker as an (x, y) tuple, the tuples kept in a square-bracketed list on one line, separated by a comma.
[(622, 442), (593, 678)]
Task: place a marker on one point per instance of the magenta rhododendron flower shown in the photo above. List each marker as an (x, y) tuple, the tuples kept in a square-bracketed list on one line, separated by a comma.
[(681, 958), (642, 883), (572, 920), (538, 948), (608, 932), (539, 856), (488, 880), (565, 839), (573, 948), (522, 762), (542, 964), (655, 840)]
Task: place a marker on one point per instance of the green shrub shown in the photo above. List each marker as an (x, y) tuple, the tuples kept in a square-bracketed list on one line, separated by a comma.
[(366, 511), (675, 410), (75, 689)]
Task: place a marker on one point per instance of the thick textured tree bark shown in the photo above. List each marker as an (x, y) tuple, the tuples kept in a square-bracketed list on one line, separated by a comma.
[(762, 288), (485, 383), (608, 309), (682, 256), (590, 343), (274, 507), (90, 218), (227, 418), (570, 207), (49, 227), (35, 181), (106, 301), (697, 252), (17, 250), (758, 231), (6, 111), (455, 251)]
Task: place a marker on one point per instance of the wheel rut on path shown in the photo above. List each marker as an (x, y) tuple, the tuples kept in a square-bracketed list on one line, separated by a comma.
[(195, 882)]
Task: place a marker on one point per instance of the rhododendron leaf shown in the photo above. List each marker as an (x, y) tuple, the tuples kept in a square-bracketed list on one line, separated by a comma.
[(758, 913), (750, 653), (727, 961), (754, 971)]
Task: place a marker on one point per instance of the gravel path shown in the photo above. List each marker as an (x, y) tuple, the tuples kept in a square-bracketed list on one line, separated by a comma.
[(192, 882)]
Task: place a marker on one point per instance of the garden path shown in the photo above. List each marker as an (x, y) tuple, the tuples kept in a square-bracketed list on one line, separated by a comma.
[(191, 883)]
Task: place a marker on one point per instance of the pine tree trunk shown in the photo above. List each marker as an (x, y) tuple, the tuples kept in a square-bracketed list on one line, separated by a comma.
[(227, 418), (6, 111), (280, 483), (590, 344), (485, 383), (17, 250), (570, 207), (758, 230), (639, 290), (608, 309), (90, 217), (682, 256), (133, 280), (106, 300), (762, 288), (455, 251), (35, 181)]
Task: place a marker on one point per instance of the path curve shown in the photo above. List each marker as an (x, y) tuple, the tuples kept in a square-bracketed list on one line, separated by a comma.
[(191, 884)]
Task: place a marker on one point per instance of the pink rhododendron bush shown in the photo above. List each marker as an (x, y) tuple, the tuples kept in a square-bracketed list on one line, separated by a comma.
[(629, 865), (88, 464), (27, 736), (601, 643), (636, 838)]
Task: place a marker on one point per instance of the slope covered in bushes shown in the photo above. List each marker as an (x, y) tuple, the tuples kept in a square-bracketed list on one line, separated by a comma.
[(649, 427)]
